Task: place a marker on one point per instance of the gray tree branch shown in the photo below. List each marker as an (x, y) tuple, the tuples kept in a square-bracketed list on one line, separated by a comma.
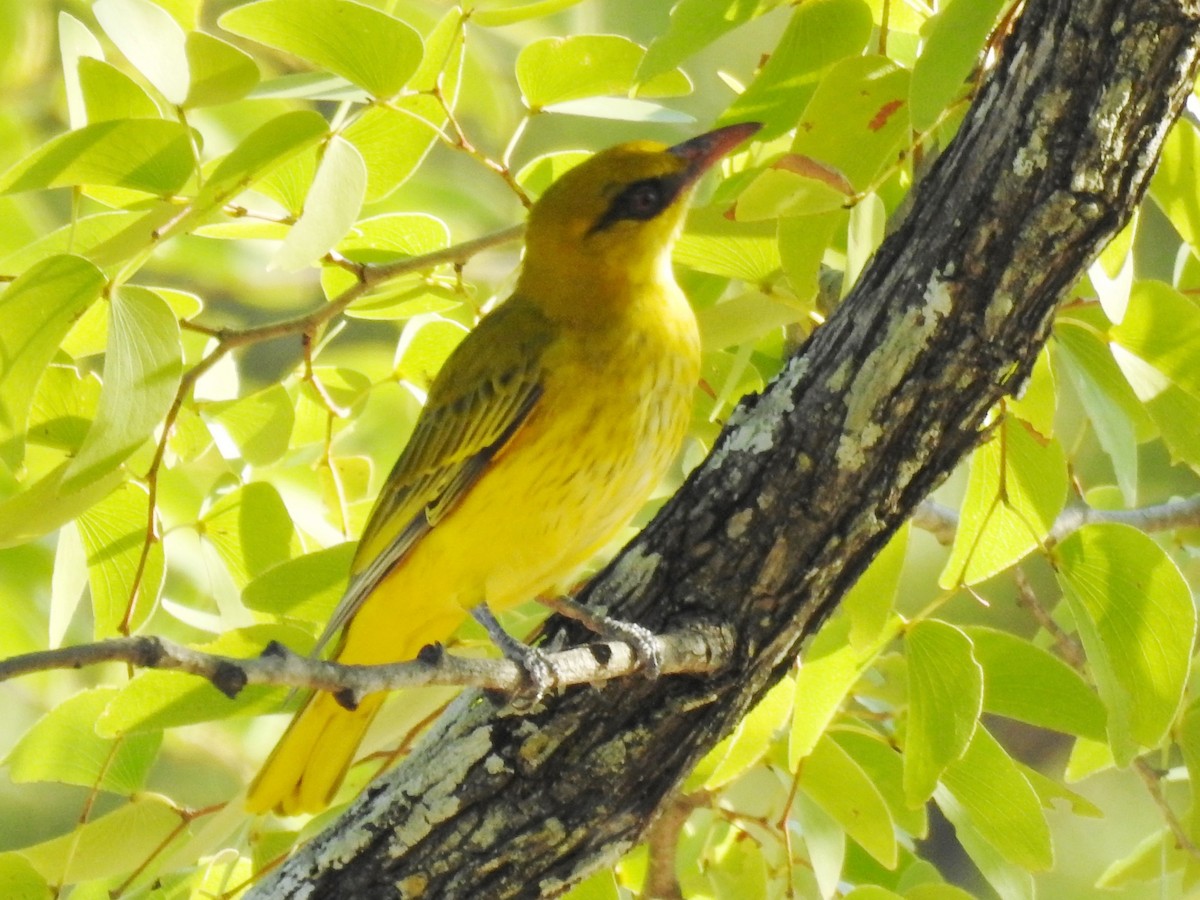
[(807, 481)]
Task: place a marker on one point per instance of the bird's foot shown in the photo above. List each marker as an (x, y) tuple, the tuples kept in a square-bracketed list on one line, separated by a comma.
[(639, 638), (539, 671)]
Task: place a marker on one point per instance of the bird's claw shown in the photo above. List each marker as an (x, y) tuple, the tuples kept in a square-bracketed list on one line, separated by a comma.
[(640, 639)]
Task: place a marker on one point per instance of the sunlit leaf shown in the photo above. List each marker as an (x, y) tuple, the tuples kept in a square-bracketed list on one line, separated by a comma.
[(748, 742), (115, 843), (555, 70), (124, 588), (953, 39), (362, 44), (35, 312), (1024, 682), (1000, 802), (330, 208), (694, 25), (151, 40), (832, 778), (63, 746), (108, 93), (151, 155), (1137, 621), (945, 696), (142, 369), (220, 72), (820, 33), (1017, 487)]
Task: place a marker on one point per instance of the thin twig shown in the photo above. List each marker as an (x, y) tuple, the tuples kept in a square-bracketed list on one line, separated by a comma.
[(1154, 786), (698, 650)]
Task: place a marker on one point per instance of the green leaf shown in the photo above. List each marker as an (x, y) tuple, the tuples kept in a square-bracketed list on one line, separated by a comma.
[(424, 345), (363, 45), (142, 369), (251, 529), (555, 70), (1010, 881), (824, 840), (1157, 346), (744, 318), (19, 880), (331, 207), (63, 408), (870, 602), (694, 25), (63, 746), (712, 243), (220, 72), (836, 783), (542, 171), (1112, 408), (45, 506), (1000, 803), (1174, 187), (802, 245), (856, 119), (108, 93), (1024, 682), (820, 33), (36, 311), (748, 742), (255, 428), (885, 768), (1136, 620), (394, 140), (150, 39), (151, 155), (1153, 859), (114, 844), (945, 695), (154, 700), (258, 153), (113, 532), (498, 13), (1037, 403), (830, 666), (307, 587), (75, 44), (953, 40), (621, 109), (1016, 489)]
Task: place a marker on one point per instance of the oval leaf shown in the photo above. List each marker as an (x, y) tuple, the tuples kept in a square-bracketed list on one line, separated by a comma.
[(1136, 620), (370, 48)]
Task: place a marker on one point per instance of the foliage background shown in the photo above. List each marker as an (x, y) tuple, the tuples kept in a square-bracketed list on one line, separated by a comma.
[(1072, 654)]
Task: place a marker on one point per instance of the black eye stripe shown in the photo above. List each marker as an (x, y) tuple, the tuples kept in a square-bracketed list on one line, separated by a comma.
[(639, 201)]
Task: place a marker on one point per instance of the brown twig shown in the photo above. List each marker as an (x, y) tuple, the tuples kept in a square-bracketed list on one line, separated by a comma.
[(698, 650)]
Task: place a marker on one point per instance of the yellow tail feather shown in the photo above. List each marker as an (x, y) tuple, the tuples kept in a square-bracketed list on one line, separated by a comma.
[(311, 759)]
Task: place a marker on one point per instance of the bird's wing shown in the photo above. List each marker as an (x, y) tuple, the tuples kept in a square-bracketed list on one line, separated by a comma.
[(479, 400)]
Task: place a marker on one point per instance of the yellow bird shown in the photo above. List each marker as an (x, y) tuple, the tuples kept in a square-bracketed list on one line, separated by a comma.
[(543, 433)]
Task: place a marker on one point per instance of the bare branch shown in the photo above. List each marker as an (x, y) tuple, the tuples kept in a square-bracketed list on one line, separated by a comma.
[(942, 521), (696, 650)]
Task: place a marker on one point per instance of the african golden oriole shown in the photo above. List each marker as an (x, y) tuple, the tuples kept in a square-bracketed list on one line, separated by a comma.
[(543, 433)]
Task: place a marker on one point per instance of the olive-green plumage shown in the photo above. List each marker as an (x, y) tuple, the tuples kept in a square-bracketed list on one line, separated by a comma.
[(545, 430)]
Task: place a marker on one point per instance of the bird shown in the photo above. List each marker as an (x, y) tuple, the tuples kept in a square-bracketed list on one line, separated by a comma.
[(542, 434)]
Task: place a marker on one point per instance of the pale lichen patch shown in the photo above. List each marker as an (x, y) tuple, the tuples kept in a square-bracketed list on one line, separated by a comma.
[(883, 369), (738, 523)]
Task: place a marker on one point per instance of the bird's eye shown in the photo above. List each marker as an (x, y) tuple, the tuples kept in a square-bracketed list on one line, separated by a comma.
[(643, 199)]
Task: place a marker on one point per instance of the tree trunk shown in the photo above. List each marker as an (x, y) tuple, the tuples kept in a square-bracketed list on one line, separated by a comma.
[(807, 481)]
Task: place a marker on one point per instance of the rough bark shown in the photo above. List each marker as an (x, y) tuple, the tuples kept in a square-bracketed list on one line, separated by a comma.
[(807, 481)]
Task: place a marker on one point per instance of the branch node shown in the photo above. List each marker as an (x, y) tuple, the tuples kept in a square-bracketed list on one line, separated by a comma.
[(229, 679)]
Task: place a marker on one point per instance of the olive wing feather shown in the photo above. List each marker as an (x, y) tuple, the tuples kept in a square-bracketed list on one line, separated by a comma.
[(479, 400)]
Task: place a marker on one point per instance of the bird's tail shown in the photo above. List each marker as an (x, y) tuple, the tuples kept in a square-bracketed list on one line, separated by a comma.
[(313, 756)]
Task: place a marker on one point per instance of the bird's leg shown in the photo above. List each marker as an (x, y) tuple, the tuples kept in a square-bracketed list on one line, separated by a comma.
[(639, 638), (533, 662)]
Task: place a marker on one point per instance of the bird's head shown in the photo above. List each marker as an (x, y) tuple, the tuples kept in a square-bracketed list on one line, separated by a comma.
[(613, 218)]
